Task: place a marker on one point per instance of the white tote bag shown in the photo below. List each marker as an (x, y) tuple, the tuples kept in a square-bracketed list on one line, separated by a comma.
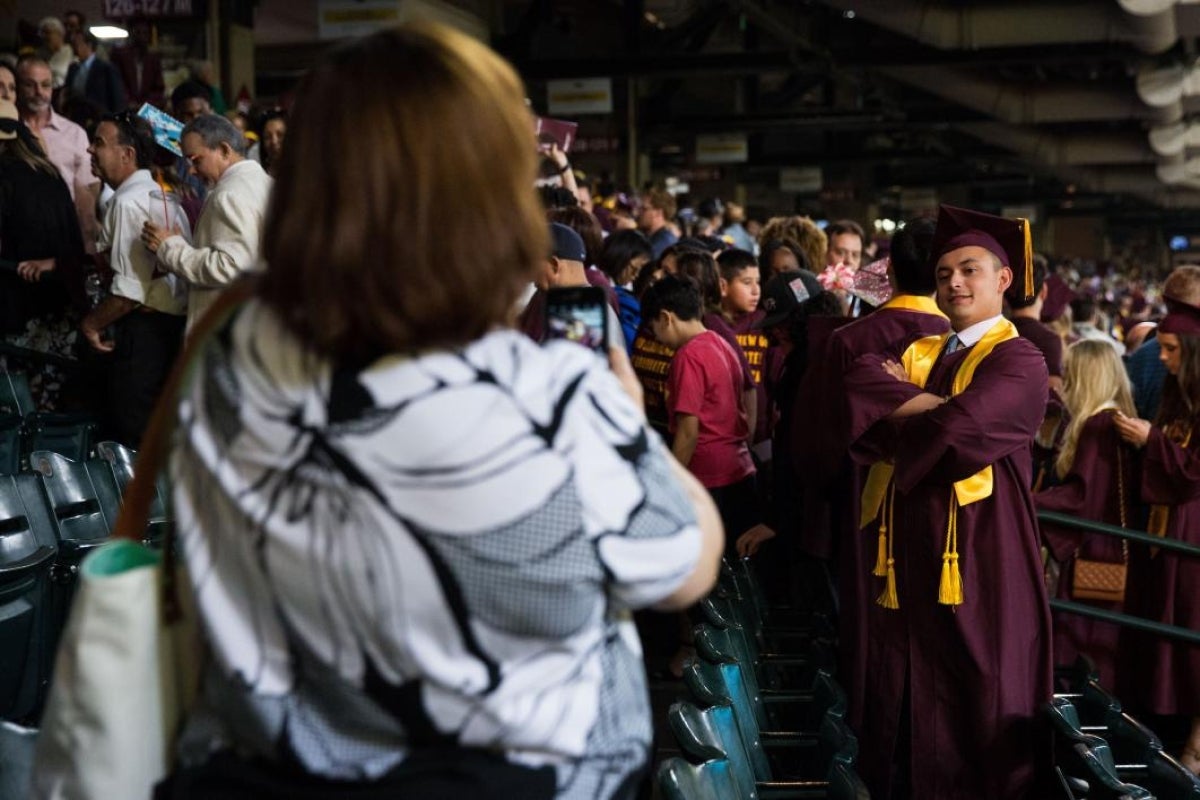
[(128, 665), (123, 679)]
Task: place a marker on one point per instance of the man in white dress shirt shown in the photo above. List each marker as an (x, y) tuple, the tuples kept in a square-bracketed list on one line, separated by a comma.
[(145, 306)]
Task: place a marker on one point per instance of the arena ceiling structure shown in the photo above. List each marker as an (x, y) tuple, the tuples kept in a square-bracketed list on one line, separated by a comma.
[(1081, 105)]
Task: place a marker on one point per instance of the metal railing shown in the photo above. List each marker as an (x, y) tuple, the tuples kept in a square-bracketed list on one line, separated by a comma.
[(1137, 623)]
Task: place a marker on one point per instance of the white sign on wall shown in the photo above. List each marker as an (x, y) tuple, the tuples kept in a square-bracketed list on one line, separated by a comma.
[(801, 180), (722, 148), (571, 98)]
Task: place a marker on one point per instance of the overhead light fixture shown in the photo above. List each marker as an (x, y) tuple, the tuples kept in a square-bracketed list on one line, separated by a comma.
[(849, 13), (108, 32)]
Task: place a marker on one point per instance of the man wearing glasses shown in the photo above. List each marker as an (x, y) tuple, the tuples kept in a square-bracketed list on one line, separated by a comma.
[(230, 224)]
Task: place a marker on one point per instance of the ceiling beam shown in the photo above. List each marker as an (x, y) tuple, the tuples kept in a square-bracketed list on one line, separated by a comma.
[(658, 65)]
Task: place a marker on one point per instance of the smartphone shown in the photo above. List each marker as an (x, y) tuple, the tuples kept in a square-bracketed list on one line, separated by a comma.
[(578, 314)]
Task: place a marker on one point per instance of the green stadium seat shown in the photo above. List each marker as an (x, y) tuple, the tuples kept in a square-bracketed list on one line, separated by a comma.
[(712, 780), (725, 647), (15, 397), (1101, 779), (81, 505), (12, 428), (844, 783), (1167, 779), (120, 464), (713, 733), (27, 557), (1083, 761), (79, 501), (70, 435)]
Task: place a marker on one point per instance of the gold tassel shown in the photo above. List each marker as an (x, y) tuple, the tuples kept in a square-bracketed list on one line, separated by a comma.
[(889, 598), (950, 591), (881, 557), (1028, 258)]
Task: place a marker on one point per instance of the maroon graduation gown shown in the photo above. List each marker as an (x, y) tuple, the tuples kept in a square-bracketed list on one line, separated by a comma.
[(832, 484), (976, 675), (1091, 490), (1158, 675)]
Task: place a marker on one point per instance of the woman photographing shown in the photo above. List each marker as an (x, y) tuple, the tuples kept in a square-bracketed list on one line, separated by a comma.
[(415, 537)]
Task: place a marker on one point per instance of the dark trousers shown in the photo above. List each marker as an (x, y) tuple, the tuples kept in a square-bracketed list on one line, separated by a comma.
[(738, 505), (146, 345), (449, 774)]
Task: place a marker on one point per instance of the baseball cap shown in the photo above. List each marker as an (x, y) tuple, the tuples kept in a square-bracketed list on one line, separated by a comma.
[(567, 245), (784, 293)]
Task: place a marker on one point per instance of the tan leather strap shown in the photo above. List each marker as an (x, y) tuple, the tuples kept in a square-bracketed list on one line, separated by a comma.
[(156, 441)]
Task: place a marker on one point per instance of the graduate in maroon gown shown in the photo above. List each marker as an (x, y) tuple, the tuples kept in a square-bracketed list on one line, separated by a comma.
[(959, 661), (798, 317), (1161, 675), (830, 482), (1097, 479)]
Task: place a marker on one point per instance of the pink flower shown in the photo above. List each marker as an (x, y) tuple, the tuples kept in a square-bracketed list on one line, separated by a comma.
[(837, 276)]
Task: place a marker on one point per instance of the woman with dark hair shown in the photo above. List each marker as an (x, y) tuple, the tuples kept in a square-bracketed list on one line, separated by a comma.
[(415, 536), (41, 253), (1162, 676), (781, 255), (272, 128), (621, 258)]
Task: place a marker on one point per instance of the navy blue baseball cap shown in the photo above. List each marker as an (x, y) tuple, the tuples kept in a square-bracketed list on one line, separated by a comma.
[(567, 245)]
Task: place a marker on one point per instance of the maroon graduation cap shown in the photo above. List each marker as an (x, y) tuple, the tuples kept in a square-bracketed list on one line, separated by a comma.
[(1181, 319), (1007, 239)]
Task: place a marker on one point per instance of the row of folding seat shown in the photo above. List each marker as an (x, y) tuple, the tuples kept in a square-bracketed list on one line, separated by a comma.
[(765, 717), (50, 518), (1103, 753), (24, 429)]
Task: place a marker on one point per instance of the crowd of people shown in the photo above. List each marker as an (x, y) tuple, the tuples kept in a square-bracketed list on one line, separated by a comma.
[(111, 241), (898, 411), (417, 537)]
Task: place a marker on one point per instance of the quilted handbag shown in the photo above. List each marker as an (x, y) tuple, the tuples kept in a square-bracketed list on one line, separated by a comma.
[(1104, 580)]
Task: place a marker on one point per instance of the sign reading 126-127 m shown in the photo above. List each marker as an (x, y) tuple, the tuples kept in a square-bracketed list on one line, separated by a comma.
[(121, 9)]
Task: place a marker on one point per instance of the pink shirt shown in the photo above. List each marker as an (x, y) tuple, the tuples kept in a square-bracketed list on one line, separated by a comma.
[(706, 382), (66, 147)]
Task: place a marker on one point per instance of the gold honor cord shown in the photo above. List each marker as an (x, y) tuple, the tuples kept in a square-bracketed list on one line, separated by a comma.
[(918, 361)]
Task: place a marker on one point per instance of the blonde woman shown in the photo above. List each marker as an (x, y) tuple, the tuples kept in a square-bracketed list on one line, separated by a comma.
[(1099, 482)]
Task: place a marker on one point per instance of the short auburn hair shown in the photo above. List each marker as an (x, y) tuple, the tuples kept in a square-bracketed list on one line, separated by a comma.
[(404, 214)]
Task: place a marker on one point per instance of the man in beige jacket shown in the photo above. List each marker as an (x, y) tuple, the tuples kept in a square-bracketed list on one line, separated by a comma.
[(229, 230)]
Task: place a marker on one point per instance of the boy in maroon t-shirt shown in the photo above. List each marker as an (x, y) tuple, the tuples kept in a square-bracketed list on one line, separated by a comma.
[(740, 293), (707, 417)]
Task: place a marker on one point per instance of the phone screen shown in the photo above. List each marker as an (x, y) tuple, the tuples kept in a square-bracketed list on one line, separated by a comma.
[(578, 315)]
